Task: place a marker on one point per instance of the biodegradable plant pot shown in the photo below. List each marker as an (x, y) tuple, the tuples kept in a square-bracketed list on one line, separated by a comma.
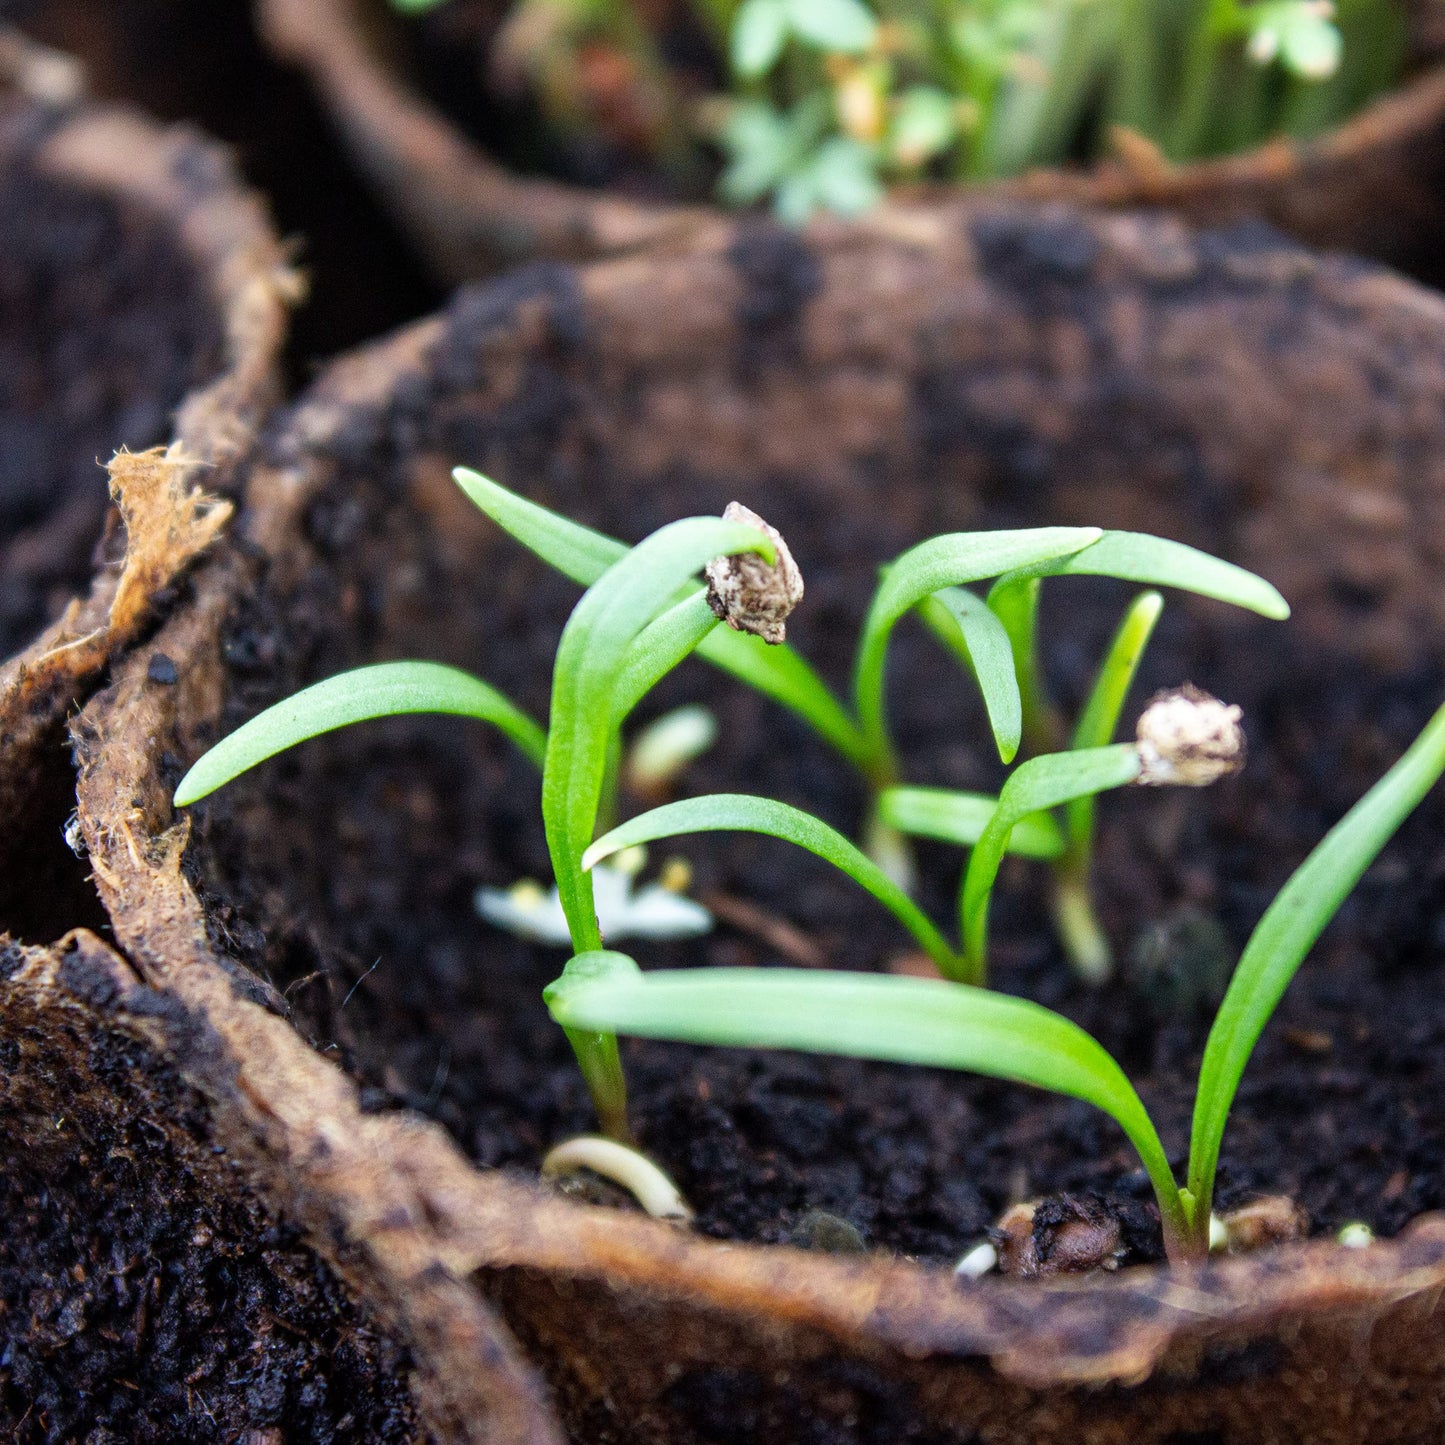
[(142, 302), (146, 1293), (984, 366), (1371, 186)]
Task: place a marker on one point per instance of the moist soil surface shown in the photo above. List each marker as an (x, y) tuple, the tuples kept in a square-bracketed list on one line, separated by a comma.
[(104, 328), (144, 1299), (346, 871)]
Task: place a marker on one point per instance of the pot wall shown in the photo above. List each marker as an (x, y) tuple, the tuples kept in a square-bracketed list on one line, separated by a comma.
[(1250, 398), (1371, 186)]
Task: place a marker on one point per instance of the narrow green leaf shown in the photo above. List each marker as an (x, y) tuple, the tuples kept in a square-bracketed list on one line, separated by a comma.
[(1287, 932), (966, 626), (955, 817), (898, 1020), (1158, 562), (1017, 608), (740, 812), (1100, 716), (1040, 783), (759, 30), (660, 646), (590, 658), (584, 555), (952, 560), (384, 690), (574, 550)]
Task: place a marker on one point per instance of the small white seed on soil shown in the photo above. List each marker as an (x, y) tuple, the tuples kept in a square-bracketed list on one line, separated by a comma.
[(982, 1259), (1356, 1235), (749, 594), (1189, 739)]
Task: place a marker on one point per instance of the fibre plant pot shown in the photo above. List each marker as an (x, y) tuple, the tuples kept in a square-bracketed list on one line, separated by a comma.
[(146, 1293), (861, 390), (143, 299), (1370, 187)]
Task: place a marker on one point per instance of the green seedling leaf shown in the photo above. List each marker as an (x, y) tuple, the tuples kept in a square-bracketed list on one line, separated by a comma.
[(1157, 562), (842, 26), (760, 29), (1017, 609), (783, 675), (583, 555), (591, 656), (740, 812), (596, 1049), (1287, 932), (952, 560), (966, 626), (572, 549), (760, 146), (1300, 34), (384, 690), (1100, 717), (1039, 784), (925, 1022), (954, 817)]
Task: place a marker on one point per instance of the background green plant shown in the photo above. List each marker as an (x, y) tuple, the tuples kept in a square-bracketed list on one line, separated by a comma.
[(828, 102)]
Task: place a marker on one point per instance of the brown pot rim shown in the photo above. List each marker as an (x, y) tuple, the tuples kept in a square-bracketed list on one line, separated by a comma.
[(190, 184), (470, 216), (392, 1200)]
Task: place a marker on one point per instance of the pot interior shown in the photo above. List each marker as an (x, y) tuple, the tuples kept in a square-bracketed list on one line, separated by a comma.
[(105, 326), (346, 870)]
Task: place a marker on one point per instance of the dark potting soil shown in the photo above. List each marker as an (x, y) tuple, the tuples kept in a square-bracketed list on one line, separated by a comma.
[(140, 1304), (347, 869), (104, 328)]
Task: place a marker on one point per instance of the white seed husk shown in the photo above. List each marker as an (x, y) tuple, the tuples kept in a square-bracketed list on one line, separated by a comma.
[(1189, 739), (747, 592)]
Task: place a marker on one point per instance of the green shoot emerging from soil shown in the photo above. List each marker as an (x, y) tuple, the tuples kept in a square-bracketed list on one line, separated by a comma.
[(948, 1025), (828, 102), (996, 642), (644, 611), (643, 614)]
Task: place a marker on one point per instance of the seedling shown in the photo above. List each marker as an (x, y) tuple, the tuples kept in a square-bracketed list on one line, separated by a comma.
[(996, 640), (947, 1025), (643, 612), (639, 619), (827, 103)]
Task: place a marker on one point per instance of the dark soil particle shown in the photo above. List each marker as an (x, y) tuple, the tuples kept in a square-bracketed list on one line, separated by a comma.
[(346, 870), (138, 1305), (104, 328)]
